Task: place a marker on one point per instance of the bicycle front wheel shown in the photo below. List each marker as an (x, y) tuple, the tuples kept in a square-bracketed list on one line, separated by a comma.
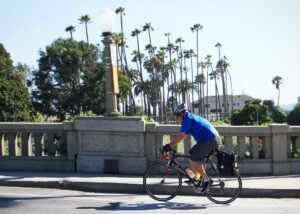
[(162, 182), (224, 189)]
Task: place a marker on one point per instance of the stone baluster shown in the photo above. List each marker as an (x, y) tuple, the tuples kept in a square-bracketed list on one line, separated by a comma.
[(26, 144), (12, 140)]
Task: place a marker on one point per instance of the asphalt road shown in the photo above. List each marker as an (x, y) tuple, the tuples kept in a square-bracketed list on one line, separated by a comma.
[(15, 200)]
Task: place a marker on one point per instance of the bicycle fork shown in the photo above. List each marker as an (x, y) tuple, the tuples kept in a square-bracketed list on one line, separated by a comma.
[(166, 175)]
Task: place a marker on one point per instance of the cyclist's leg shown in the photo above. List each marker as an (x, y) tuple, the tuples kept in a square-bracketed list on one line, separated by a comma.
[(198, 152), (198, 167)]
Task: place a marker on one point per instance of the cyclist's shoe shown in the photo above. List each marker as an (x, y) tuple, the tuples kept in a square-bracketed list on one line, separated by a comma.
[(205, 184), (188, 182)]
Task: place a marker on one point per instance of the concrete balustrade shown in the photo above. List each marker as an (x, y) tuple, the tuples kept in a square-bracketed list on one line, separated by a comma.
[(127, 145)]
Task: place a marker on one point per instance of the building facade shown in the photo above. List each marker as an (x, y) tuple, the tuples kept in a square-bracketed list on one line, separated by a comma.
[(213, 107)]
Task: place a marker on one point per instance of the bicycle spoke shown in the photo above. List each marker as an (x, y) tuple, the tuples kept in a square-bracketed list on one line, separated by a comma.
[(162, 183), (224, 189)]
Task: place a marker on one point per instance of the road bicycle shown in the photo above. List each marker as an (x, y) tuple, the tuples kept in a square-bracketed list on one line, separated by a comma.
[(163, 181)]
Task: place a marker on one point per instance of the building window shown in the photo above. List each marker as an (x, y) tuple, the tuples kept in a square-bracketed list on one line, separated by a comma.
[(215, 110), (236, 104), (223, 104)]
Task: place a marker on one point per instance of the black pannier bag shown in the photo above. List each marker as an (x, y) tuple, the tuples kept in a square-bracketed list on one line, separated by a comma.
[(226, 162)]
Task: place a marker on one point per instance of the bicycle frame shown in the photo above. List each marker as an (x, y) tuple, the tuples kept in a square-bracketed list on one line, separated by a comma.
[(172, 162)]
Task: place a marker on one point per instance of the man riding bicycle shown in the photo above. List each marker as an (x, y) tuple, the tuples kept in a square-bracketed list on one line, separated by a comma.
[(206, 136)]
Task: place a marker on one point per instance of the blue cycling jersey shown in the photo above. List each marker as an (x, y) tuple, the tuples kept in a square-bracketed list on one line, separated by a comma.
[(198, 127)]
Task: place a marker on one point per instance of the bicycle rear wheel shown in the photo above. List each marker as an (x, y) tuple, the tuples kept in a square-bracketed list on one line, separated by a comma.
[(224, 189), (162, 182)]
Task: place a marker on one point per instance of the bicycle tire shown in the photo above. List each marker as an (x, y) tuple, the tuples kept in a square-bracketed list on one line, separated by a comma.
[(162, 182), (224, 189)]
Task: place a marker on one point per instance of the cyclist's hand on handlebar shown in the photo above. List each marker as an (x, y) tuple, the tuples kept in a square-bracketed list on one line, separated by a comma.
[(166, 148), (165, 151)]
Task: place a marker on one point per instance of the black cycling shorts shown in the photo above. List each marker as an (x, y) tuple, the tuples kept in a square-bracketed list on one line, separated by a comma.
[(200, 150)]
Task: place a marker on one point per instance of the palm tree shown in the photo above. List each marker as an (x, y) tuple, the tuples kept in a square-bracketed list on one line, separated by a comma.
[(197, 27), (70, 29), (161, 75), (168, 70), (85, 20), (150, 67), (208, 65), (122, 52), (227, 71), (148, 87), (118, 40), (138, 56), (144, 90), (219, 45), (151, 50), (121, 11), (221, 67), (137, 59), (222, 71), (202, 82), (148, 27), (186, 55), (224, 66), (180, 40), (136, 33), (170, 67), (277, 80), (189, 54), (214, 75)]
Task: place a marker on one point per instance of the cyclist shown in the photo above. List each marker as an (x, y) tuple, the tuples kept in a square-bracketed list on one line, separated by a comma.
[(206, 136)]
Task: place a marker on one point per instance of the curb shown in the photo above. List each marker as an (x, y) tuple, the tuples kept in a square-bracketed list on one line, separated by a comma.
[(105, 187)]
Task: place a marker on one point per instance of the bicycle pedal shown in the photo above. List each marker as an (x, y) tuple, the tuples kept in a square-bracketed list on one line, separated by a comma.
[(197, 189)]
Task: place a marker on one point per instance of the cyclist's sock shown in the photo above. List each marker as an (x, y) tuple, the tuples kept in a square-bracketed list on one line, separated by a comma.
[(207, 179), (205, 184)]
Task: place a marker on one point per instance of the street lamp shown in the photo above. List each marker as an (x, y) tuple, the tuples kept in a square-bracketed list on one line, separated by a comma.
[(106, 22)]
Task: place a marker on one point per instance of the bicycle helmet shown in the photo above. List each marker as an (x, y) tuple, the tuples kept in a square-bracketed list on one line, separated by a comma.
[(179, 108)]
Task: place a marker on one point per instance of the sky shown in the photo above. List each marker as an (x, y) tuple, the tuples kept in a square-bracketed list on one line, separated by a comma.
[(260, 38)]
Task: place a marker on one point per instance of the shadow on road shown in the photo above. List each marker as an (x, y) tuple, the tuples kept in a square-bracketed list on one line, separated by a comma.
[(148, 206)]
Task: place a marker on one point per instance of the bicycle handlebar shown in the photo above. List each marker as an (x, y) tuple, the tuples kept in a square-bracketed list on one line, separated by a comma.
[(167, 155)]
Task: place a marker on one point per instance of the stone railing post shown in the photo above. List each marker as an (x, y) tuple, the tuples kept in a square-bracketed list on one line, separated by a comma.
[(150, 142), (71, 143), (110, 145), (280, 149), (71, 140)]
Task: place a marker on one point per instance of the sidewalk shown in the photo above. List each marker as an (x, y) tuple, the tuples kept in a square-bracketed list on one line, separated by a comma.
[(266, 186)]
